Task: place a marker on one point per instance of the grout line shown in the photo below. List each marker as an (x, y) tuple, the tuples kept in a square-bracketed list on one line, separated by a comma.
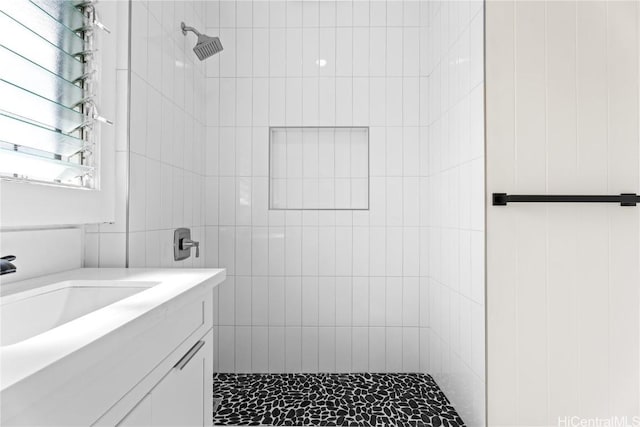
[(369, 222), (284, 238), (319, 122), (420, 204), (235, 294), (403, 209), (350, 367), (128, 149)]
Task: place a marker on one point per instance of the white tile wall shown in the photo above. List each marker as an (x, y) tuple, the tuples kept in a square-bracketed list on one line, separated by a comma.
[(163, 167), (451, 204), (385, 289), (562, 294), (311, 272)]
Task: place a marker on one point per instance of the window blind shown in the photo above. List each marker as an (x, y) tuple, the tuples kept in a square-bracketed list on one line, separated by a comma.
[(47, 110)]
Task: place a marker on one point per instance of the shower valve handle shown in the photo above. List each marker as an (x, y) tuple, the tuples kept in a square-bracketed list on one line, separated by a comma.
[(188, 244)]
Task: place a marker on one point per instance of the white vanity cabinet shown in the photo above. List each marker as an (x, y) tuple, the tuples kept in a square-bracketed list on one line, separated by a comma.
[(178, 392), (144, 360), (140, 415), (183, 397)]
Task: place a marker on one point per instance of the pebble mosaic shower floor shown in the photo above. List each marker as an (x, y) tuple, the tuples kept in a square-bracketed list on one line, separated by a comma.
[(332, 400)]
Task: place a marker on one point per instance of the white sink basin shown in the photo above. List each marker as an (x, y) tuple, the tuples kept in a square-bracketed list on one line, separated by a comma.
[(30, 313)]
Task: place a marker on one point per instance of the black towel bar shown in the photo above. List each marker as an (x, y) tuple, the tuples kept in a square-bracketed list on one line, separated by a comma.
[(625, 199)]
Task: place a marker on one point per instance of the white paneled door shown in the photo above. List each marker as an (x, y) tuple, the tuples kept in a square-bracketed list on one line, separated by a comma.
[(562, 117)]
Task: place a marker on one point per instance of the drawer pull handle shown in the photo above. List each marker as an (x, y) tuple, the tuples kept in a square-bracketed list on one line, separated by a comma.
[(187, 357)]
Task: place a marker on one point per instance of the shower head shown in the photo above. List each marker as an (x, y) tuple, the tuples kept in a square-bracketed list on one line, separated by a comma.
[(206, 46)]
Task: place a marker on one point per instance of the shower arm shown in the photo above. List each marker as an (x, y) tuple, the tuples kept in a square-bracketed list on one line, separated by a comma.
[(185, 29)]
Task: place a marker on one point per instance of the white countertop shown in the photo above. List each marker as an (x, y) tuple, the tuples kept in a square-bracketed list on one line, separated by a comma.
[(21, 360)]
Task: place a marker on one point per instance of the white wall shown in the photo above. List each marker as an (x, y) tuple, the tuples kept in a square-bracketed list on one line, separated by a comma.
[(163, 164), (562, 280), (454, 205)]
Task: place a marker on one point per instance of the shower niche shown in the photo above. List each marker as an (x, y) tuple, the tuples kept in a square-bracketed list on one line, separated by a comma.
[(319, 168)]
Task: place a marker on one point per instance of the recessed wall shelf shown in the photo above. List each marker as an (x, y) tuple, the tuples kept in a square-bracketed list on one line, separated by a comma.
[(319, 168)]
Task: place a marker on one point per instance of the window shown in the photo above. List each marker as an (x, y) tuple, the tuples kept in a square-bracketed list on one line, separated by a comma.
[(47, 109), (319, 168)]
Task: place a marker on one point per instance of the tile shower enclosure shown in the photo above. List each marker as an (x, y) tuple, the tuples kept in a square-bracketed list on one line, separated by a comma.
[(395, 288), (398, 287)]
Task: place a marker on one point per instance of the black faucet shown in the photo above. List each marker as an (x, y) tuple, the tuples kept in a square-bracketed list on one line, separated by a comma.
[(5, 265)]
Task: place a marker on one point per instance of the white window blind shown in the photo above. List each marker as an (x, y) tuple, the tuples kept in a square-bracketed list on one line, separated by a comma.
[(47, 111)]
